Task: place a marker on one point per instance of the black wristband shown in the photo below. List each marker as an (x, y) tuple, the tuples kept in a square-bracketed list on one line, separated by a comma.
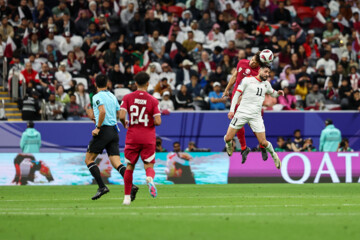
[(97, 127)]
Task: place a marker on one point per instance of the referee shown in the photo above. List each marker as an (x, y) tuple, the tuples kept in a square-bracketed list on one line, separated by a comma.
[(105, 136)]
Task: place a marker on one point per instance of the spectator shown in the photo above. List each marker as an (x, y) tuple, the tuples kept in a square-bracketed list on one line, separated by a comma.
[(217, 102), (315, 99), (61, 95), (285, 56), (30, 107), (281, 15), (154, 75), (191, 147), (50, 40), (157, 48), (171, 45), (226, 65), (308, 146), (331, 34), (196, 53), (152, 23), (206, 24), (288, 100), (206, 63), (298, 141), (166, 103), (67, 45), (127, 14), (190, 43), (330, 137), (331, 94), (162, 86), (73, 66), (136, 26), (183, 76), (159, 147), (176, 147), (112, 55), (168, 74), (282, 146), (54, 109), (186, 19), (230, 34), (287, 75), (74, 111), (344, 146), (5, 29), (183, 99), (345, 92), (63, 77), (320, 77), (29, 75), (215, 38), (231, 50), (82, 22), (34, 45), (354, 78), (60, 10), (82, 97), (30, 139), (240, 39), (194, 87), (335, 78), (246, 10), (355, 101), (66, 25)]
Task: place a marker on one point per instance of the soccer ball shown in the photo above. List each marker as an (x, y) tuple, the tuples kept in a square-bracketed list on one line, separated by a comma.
[(266, 56)]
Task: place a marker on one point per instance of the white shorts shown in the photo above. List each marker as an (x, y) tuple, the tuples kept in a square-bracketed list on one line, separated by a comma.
[(255, 123)]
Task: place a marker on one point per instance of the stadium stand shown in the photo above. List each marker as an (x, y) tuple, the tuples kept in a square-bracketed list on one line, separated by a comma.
[(79, 40)]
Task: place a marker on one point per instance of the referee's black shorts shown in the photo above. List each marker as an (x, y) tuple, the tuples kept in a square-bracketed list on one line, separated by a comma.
[(108, 139)]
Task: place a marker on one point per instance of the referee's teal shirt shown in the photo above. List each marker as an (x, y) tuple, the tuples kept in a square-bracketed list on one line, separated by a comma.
[(111, 105)]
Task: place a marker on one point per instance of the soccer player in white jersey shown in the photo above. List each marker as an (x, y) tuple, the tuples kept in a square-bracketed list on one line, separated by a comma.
[(253, 90)]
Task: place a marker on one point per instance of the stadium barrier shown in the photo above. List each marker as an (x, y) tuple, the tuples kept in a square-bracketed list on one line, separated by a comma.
[(183, 168), (206, 129)]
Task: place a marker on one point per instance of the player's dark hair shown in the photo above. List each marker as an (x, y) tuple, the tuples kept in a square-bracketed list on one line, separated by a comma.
[(141, 78), (264, 65), (257, 57), (30, 124), (101, 81)]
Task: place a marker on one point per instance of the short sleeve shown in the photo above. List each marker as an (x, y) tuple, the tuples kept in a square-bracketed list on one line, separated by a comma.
[(97, 101), (156, 110), (124, 104), (117, 105), (269, 89), (243, 85)]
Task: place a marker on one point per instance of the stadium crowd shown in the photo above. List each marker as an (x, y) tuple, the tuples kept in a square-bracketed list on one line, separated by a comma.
[(188, 47)]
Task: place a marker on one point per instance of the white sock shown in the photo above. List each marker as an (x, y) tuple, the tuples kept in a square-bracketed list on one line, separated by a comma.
[(127, 198), (270, 148)]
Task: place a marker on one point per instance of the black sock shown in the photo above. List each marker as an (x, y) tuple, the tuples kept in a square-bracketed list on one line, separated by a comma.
[(94, 170), (121, 169)]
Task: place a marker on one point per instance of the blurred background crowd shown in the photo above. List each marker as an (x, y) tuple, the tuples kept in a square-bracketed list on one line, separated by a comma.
[(53, 51)]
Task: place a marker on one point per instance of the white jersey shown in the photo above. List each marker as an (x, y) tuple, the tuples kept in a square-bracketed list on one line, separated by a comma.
[(253, 95)]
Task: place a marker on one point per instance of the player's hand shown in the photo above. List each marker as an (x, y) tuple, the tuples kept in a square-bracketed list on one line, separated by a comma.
[(230, 115), (281, 92), (95, 132), (225, 94)]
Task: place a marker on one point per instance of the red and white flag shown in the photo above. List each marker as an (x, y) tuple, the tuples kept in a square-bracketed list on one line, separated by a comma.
[(320, 17), (26, 37), (21, 13), (10, 47), (173, 50), (357, 42), (116, 8)]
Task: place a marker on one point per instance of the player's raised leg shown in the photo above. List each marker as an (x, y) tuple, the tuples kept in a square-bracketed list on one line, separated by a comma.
[(268, 146), (150, 175), (230, 134), (95, 172)]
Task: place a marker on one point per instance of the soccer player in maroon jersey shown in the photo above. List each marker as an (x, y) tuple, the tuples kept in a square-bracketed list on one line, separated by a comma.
[(144, 115), (245, 68)]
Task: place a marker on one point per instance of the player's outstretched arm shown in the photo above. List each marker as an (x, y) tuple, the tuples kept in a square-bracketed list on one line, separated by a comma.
[(230, 84), (233, 104)]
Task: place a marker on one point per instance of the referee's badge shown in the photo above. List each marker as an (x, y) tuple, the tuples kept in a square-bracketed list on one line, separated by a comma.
[(98, 102)]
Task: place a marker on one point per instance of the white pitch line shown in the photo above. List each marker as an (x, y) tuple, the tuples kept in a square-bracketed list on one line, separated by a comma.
[(182, 207), (191, 197), (325, 214)]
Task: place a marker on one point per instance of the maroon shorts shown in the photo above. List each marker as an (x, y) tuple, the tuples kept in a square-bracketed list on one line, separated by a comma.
[(145, 151)]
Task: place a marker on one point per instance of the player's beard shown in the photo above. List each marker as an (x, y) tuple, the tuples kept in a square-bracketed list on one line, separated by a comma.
[(262, 78)]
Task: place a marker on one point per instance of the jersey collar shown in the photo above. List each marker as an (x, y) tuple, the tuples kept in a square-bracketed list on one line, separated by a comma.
[(257, 79)]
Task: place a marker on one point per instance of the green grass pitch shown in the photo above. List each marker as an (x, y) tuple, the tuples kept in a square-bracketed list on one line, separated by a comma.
[(234, 211)]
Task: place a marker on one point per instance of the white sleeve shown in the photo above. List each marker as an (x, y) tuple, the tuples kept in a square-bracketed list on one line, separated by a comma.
[(271, 91), (241, 88)]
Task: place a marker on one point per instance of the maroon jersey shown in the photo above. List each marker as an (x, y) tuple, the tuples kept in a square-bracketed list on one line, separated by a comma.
[(244, 70), (142, 108)]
